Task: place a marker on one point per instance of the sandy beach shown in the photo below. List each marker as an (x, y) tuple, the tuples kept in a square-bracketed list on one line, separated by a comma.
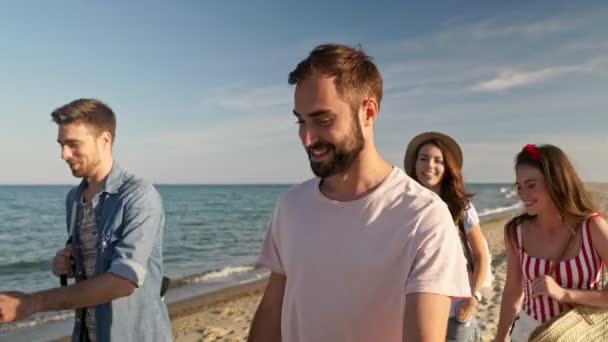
[(228, 319)]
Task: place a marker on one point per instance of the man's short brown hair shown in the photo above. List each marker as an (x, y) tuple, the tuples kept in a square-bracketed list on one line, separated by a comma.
[(356, 75), (89, 111)]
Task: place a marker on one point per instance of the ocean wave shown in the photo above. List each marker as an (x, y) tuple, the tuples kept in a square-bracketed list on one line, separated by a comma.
[(227, 274), (223, 273), (25, 266), (509, 192), (492, 211), (36, 320)]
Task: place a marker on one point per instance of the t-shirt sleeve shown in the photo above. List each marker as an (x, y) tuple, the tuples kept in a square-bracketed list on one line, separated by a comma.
[(439, 265), (470, 219), (270, 256)]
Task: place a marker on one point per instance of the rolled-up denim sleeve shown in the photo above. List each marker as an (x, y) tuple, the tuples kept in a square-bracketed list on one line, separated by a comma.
[(143, 220)]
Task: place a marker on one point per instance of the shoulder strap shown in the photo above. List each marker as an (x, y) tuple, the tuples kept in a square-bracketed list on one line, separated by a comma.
[(465, 246), (519, 240), (588, 230), (603, 281)]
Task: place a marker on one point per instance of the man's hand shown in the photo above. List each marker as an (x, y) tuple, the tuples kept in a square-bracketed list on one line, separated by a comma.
[(466, 309), (14, 306), (102, 288), (62, 262)]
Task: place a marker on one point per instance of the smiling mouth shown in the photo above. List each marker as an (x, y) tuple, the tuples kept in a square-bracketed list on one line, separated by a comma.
[(318, 153), (528, 203)]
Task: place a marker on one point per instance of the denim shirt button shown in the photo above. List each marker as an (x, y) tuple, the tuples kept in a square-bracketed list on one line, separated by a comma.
[(104, 244)]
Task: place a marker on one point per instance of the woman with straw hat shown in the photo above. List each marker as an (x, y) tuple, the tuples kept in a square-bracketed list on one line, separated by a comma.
[(435, 161)]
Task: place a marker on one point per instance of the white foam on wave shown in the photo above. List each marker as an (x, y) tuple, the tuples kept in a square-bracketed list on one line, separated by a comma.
[(509, 192), (36, 320), (492, 211), (221, 274)]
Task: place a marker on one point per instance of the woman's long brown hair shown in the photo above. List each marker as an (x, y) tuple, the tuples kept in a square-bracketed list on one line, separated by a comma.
[(452, 186), (566, 189)]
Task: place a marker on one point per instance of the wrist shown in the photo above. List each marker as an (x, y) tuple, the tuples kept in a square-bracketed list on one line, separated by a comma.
[(476, 294), (32, 303), (564, 296)]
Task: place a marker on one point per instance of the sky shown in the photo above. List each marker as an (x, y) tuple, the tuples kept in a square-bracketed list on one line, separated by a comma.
[(201, 96)]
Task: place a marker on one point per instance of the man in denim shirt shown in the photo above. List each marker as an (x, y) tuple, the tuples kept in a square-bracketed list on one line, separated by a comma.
[(115, 222)]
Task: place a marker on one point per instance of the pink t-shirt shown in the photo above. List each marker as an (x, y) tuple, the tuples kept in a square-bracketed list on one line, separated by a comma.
[(349, 265)]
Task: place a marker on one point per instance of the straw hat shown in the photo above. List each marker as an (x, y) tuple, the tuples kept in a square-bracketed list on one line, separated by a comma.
[(414, 145)]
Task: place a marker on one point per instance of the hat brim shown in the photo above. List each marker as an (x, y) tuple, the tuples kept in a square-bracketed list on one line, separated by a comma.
[(410, 152)]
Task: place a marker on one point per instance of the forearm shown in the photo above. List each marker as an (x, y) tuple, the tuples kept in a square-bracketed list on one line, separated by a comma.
[(596, 298), (266, 326), (481, 255), (479, 275), (426, 317), (97, 290), (510, 306)]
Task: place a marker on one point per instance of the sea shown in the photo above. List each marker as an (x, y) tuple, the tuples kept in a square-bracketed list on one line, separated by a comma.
[(212, 237)]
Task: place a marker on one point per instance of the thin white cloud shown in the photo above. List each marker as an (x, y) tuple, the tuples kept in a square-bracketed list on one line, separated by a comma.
[(243, 150), (230, 135), (256, 98), (509, 79), (586, 45), (473, 64), (240, 98), (495, 29), (597, 64), (411, 79), (500, 28)]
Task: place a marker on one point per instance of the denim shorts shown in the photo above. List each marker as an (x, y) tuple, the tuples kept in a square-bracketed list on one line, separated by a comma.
[(459, 331)]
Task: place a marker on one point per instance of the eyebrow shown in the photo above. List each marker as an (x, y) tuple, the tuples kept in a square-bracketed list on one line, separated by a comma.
[(315, 114), (422, 154), (527, 181), (67, 141)]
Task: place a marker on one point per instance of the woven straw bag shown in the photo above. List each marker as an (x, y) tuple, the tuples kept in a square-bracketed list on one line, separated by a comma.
[(579, 324)]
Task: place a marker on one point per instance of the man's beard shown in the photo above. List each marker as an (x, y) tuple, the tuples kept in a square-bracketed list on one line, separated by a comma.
[(344, 154), (85, 168)]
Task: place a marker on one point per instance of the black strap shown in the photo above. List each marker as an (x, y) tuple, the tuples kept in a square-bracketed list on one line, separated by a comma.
[(466, 247), (164, 285), (63, 279)]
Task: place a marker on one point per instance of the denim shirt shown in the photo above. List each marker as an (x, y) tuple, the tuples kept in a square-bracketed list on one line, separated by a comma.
[(130, 222)]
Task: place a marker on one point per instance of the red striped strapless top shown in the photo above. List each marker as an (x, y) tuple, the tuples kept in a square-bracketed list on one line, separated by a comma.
[(581, 272)]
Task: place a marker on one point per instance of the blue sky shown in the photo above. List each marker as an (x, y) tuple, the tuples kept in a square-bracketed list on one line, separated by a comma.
[(200, 87)]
